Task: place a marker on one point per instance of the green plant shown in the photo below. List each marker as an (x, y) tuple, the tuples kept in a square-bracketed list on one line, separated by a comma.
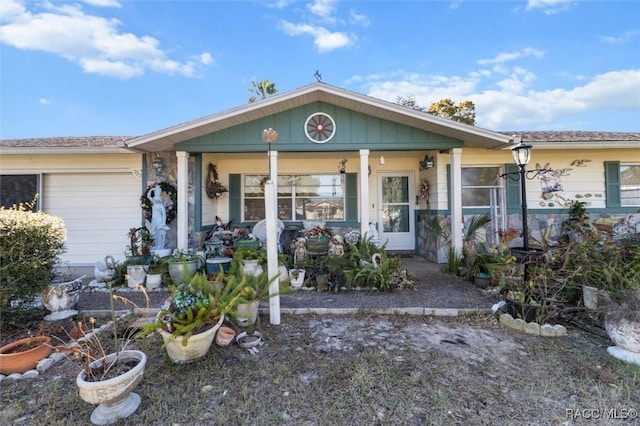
[(140, 243), (195, 306), (158, 266), (30, 247)]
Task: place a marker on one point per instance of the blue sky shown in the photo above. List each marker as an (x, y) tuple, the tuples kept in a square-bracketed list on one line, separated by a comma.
[(122, 67)]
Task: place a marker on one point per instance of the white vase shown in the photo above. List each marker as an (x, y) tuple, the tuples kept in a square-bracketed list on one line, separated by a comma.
[(153, 281), (197, 345), (114, 396), (136, 275)]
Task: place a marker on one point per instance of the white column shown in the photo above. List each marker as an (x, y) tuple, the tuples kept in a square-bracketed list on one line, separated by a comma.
[(456, 198), (271, 215), (183, 200), (364, 192)]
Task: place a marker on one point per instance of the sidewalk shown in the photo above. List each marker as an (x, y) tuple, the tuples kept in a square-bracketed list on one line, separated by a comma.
[(436, 293)]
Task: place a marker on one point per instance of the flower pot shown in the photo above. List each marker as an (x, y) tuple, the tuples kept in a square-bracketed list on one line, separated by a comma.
[(246, 340), (318, 245), (113, 395), (153, 281), (297, 277), (136, 275), (183, 271), (214, 264), (197, 345), (60, 298), (225, 336), (251, 267), (251, 244), (20, 361), (482, 280), (247, 313)]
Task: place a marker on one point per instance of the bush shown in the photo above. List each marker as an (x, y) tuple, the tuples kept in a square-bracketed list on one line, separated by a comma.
[(30, 246)]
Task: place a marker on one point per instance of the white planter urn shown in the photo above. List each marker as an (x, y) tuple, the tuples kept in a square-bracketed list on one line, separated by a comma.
[(114, 396), (297, 277), (247, 313), (136, 275), (153, 281), (197, 345)]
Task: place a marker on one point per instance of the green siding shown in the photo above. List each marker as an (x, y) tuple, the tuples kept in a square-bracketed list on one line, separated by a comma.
[(354, 131), (612, 183)]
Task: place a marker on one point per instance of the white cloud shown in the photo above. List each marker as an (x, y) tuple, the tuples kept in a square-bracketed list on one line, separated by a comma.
[(44, 101), (323, 9), (206, 58), (511, 102), (103, 3), (359, 19), (550, 7), (95, 43), (324, 40), (625, 37), (512, 56)]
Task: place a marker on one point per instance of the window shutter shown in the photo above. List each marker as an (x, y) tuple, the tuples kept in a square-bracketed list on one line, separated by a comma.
[(351, 208), (514, 200), (612, 183), (235, 198)]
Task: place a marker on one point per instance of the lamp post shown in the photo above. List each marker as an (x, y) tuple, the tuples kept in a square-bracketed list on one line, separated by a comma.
[(270, 136), (521, 156)]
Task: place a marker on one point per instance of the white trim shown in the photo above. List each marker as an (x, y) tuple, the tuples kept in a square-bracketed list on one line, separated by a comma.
[(364, 192), (456, 199), (183, 200), (306, 124)]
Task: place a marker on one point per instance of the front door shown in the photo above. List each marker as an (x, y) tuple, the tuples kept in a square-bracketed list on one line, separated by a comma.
[(396, 196)]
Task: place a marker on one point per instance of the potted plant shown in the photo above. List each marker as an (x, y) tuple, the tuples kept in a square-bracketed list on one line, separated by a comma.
[(182, 265), (317, 239), (189, 320), (107, 379), (139, 255), (24, 354), (156, 272)]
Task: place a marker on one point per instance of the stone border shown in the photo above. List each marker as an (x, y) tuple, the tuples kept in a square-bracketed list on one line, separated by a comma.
[(533, 328)]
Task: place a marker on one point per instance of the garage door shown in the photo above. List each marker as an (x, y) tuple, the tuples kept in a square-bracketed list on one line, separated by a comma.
[(98, 210)]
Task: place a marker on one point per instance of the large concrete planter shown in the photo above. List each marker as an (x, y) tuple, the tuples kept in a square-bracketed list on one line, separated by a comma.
[(197, 345)]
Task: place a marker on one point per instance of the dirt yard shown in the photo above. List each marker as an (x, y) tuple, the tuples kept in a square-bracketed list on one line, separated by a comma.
[(363, 370)]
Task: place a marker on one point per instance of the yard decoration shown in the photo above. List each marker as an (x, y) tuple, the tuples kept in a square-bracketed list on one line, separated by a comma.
[(24, 354), (170, 196)]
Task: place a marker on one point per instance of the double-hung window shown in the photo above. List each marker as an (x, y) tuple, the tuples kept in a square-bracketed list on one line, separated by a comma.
[(629, 185), (477, 185)]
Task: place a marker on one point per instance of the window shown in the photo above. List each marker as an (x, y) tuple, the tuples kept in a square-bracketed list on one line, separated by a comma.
[(477, 184), (629, 185), (16, 189), (300, 197)]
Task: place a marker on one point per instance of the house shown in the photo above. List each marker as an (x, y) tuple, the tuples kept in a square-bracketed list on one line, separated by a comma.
[(344, 158)]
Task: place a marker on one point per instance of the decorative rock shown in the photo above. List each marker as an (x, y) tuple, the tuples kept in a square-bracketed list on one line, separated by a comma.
[(547, 330), (31, 374), (519, 324), (560, 330), (45, 364), (506, 320), (532, 328)]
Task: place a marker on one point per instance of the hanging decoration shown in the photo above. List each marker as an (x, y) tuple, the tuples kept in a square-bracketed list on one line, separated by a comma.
[(215, 189)]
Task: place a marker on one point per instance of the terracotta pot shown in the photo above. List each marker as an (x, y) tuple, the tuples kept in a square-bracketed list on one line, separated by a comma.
[(197, 345), (225, 336), (113, 395), (20, 362)]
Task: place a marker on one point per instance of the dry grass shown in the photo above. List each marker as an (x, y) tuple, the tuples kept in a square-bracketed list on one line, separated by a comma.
[(360, 370)]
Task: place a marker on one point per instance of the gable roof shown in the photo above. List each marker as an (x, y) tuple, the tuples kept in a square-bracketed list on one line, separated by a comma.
[(164, 140)]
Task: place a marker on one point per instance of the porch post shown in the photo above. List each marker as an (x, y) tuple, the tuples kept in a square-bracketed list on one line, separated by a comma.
[(271, 216), (183, 200), (364, 192), (456, 199)]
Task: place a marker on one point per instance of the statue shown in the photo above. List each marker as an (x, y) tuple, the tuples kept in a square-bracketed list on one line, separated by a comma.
[(104, 270), (300, 255), (158, 217), (337, 246)]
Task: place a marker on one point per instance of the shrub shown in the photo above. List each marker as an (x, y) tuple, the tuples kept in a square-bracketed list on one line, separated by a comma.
[(30, 246)]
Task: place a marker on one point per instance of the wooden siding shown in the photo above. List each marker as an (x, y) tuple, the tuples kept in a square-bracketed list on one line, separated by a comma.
[(354, 131)]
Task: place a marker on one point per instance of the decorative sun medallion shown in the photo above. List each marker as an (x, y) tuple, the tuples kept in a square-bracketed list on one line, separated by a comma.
[(319, 127)]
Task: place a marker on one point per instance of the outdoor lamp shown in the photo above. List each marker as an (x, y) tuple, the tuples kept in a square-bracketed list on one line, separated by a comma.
[(270, 136), (521, 154)]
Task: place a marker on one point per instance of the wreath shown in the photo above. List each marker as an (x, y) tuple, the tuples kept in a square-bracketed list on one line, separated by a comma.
[(172, 209), (423, 190)]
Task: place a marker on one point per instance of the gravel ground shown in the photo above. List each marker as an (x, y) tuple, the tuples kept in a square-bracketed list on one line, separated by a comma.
[(434, 289)]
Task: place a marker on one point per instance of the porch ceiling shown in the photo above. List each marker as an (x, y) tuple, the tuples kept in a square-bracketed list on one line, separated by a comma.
[(164, 140)]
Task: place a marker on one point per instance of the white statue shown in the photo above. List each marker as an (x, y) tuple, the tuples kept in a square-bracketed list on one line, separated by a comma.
[(337, 246), (158, 217), (300, 255), (104, 270)]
